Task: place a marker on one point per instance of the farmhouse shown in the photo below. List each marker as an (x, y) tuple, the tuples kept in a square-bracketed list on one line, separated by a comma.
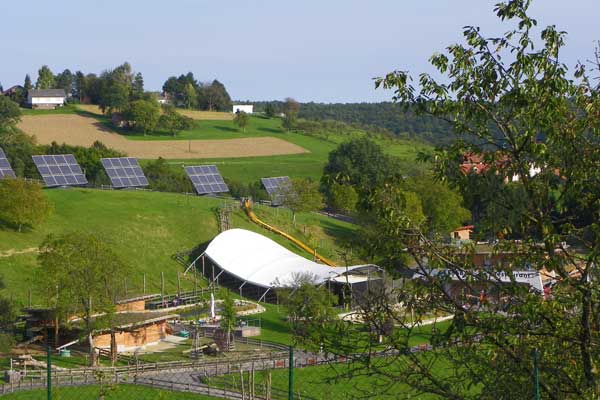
[(46, 98), (12, 90), (462, 234), (247, 108)]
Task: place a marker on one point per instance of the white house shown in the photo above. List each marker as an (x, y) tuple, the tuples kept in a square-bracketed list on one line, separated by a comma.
[(247, 108), (46, 98)]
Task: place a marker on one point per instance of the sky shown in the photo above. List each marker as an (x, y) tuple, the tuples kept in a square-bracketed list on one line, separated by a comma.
[(312, 50)]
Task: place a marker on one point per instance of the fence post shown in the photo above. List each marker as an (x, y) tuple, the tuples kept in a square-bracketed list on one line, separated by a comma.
[(291, 375), (49, 370)]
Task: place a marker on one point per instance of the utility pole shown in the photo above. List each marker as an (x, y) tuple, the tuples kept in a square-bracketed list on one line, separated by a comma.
[(536, 375), (162, 287), (291, 375), (49, 372)]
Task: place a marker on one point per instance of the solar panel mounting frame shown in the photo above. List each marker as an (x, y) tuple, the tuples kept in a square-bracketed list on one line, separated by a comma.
[(274, 186), (59, 170), (124, 172), (206, 179), (6, 170)]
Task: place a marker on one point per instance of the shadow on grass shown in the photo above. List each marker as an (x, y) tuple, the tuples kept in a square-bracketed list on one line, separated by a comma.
[(341, 234), (269, 130), (225, 128)]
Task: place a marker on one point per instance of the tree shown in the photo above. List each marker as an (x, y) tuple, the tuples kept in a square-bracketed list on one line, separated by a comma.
[(23, 203), (163, 178), (174, 122), (79, 274), (309, 307), (442, 205), (45, 78), (228, 315), (10, 115), (214, 96), (143, 115), (113, 94), (290, 111), (342, 198), (360, 163), (302, 195), (513, 102), (27, 84), (189, 96), (8, 312), (65, 80), (241, 119), (270, 110), (137, 89)]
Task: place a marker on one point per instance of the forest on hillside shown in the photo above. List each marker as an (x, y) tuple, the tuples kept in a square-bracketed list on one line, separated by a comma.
[(387, 115)]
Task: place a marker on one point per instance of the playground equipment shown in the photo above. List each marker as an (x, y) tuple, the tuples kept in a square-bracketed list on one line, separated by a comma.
[(247, 206)]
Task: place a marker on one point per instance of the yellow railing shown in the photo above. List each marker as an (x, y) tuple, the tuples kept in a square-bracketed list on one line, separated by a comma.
[(247, 205)]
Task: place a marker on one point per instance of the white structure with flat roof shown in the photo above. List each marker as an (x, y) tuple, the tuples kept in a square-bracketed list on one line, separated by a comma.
[(247, 108)]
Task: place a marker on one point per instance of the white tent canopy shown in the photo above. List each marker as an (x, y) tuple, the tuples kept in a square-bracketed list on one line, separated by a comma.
[(259, 260)]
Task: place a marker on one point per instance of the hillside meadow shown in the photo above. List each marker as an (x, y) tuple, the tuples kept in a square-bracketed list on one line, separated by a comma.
[(146, 229)]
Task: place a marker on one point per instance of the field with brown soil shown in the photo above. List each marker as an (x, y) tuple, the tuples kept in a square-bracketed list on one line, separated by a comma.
[(195, 114), (78, 130), (207, 115)]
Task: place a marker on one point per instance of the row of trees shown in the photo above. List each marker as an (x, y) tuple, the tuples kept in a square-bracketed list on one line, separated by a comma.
[(187, 92), (114, 89)]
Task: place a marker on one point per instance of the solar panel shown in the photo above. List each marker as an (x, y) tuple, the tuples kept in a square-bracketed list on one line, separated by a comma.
[(124, 172), (60, 170), (5, 169), (206, 179), (275, 187)]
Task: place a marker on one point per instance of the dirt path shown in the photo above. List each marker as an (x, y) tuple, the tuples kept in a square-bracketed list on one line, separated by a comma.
[(84, 131), (13, 252)]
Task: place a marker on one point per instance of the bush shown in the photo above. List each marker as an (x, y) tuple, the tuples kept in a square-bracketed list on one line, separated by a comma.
[(164, 178)]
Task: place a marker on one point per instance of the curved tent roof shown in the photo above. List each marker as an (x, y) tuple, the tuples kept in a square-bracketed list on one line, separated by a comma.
[(259, 260)]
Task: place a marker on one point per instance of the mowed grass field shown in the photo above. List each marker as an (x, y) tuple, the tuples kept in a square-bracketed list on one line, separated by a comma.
[(145, 229), (244, 162)]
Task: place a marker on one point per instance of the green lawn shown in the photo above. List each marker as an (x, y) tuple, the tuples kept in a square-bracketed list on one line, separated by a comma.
[(111, 393), (68, 109), (145, 229), (346, 381)]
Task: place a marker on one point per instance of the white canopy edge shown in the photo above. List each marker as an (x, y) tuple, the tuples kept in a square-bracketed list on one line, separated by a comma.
[(256, 259)]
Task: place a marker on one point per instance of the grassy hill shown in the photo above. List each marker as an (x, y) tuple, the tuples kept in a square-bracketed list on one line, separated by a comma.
[(146, 229)]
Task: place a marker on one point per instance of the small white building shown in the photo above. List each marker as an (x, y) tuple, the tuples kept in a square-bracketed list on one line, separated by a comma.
[(247, 108), (46, 98)]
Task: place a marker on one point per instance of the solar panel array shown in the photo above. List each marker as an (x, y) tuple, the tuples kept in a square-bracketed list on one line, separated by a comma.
[(60, 170), (124, 172), (206, 179), (276, 186), (5, 169)]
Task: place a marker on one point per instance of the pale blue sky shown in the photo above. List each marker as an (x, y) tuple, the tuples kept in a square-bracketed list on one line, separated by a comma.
[(313, 50)]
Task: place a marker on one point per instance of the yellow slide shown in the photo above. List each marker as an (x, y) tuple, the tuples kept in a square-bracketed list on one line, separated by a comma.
[(247, 205)]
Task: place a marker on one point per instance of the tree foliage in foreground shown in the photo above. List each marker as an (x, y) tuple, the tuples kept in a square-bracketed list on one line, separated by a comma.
[(79, 274), (309, 306), (23, 203), (520, 107)]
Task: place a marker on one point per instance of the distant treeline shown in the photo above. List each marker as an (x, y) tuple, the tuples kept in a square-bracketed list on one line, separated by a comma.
[(385, 116)]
